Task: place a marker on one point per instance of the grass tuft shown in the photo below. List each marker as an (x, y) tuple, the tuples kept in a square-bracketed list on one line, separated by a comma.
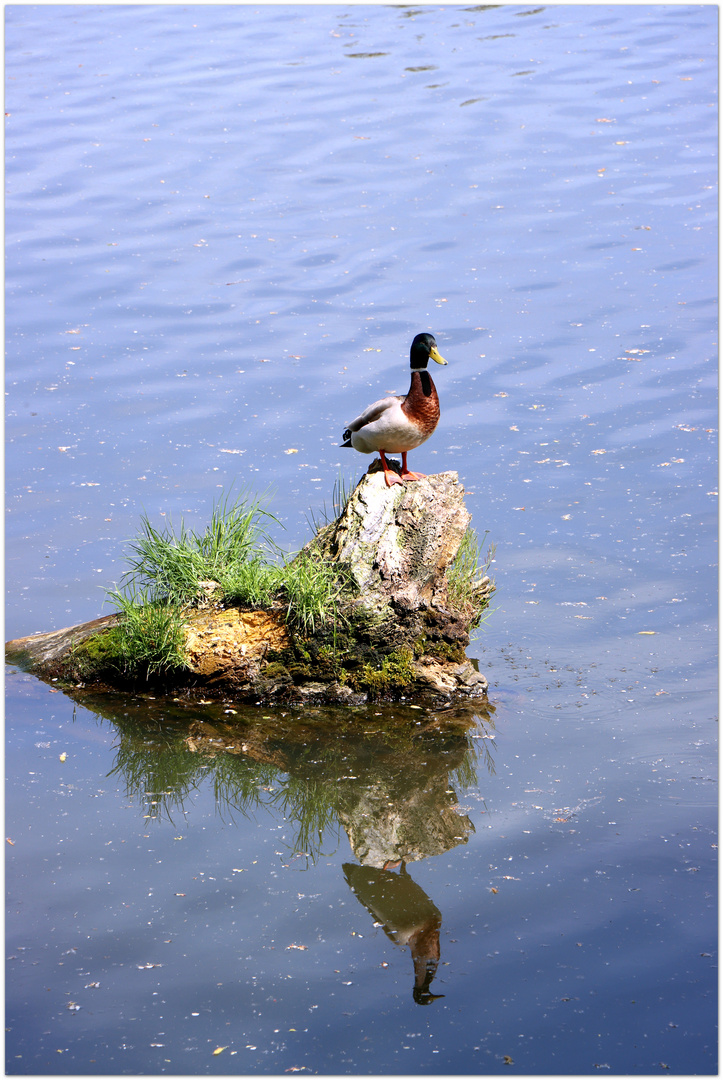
[(254, 583), (148, 640), (312, 590), (467, 571), (176, 567)]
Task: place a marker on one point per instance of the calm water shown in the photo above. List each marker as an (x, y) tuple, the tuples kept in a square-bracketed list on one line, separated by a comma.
[(224, 226)]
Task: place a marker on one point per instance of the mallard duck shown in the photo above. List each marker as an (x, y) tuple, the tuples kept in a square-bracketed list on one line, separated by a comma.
[(395, 425)]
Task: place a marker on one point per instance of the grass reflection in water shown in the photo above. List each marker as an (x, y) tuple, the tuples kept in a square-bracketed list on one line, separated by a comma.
[(389, 777)]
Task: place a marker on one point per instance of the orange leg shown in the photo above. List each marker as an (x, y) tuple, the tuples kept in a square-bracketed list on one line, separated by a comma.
[(406, 474), (390, 476)]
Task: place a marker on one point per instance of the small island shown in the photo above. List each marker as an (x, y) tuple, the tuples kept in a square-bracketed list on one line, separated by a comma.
[(378, 606)]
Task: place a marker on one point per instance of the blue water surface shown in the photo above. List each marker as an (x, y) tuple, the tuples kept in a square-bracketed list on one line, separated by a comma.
[(224, 225)]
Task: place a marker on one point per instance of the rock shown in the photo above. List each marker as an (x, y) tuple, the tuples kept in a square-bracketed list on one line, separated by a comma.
[(39, 650), (395, 633), (221, 641), (397, 542)]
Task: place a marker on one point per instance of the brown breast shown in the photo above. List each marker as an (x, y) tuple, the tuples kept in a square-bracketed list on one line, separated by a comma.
[(421, 403)]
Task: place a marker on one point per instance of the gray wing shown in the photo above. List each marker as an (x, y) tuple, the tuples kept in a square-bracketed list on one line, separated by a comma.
[(373, 412)]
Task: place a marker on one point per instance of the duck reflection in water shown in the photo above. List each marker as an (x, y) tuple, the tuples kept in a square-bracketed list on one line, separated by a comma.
[(407, 915)]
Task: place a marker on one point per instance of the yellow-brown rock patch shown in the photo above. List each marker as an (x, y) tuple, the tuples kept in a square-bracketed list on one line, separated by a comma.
[(220, 641)]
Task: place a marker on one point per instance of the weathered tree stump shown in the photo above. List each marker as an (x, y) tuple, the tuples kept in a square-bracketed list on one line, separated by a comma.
[(398, 631)]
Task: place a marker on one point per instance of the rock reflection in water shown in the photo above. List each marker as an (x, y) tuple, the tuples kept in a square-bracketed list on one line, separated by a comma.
[(404, 810), (386, 775)]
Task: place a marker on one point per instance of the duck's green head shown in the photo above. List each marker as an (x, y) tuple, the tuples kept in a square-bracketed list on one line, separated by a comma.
[(422, 348)]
